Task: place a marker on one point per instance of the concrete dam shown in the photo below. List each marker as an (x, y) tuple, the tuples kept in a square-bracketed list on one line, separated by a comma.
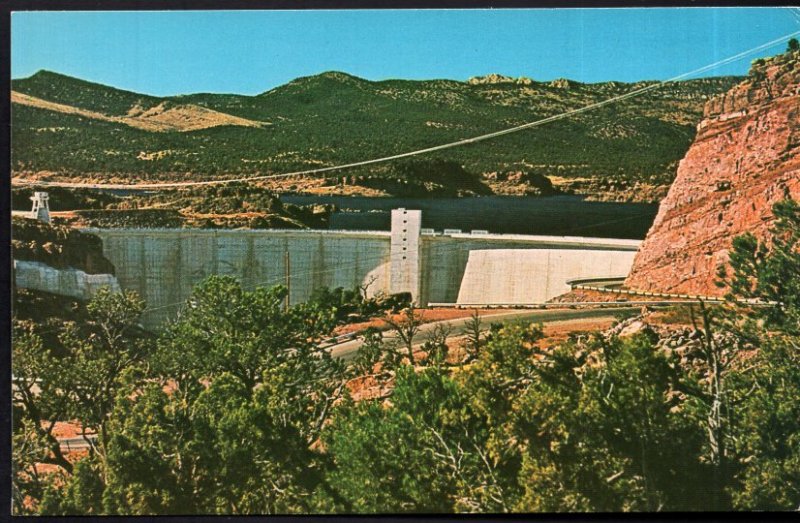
[(163, 265)]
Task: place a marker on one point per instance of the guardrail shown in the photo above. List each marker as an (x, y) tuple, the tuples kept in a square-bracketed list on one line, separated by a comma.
[(629, 292), (165, 230), (616, 280), (584, 284), (563, 305)]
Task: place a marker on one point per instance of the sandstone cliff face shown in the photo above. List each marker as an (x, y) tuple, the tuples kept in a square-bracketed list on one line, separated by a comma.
[(745, 158)]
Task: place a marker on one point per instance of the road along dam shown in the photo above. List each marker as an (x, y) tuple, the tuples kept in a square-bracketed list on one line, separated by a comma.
[(163, 265)]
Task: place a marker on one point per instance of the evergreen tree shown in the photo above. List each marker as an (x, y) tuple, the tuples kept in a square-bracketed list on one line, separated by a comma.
[(766, 432)]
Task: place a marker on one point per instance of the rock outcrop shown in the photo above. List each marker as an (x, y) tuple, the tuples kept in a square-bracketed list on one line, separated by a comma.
[(58, 246), (563, 83), (494, 78), (745, 158), (59, 260)]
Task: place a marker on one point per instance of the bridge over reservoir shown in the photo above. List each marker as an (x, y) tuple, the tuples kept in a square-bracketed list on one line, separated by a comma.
[(452, 266)]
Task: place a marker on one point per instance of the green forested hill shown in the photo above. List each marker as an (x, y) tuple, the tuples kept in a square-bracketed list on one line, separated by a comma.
[(63, 89), (334, 118)]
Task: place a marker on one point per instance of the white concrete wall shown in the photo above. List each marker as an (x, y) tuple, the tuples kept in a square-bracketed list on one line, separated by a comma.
[(163, 265), (534, 275), (444, 258), (66, 282)]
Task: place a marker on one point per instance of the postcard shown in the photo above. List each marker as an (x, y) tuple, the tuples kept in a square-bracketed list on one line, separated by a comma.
[(405, 261)]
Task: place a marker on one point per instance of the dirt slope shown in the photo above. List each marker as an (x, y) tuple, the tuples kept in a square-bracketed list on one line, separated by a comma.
[(164, 117)]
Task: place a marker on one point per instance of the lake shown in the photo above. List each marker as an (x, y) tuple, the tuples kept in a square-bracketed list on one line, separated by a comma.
[(553, 215)]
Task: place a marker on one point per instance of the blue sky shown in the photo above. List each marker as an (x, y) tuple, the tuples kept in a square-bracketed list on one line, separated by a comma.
[(248, 52)]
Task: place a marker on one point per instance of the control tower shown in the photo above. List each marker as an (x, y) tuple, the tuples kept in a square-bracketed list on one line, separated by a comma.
[(41, 209)]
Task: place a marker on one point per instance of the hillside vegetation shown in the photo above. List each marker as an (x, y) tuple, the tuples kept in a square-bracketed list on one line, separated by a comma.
[(230, 205), (334, 118), (160, 118)]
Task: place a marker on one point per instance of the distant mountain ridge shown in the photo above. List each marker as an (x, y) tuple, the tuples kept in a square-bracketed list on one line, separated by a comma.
[(70, 128)]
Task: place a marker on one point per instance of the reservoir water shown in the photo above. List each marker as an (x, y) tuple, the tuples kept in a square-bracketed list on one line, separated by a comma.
[(553, 216)]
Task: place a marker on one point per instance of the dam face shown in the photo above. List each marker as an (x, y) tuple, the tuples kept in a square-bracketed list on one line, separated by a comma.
[(163, 265)]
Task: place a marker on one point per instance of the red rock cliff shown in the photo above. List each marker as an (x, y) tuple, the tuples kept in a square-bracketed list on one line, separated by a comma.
[(745, 157)]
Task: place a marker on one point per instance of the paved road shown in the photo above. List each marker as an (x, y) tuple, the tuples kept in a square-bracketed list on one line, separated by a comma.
[(348, 349)]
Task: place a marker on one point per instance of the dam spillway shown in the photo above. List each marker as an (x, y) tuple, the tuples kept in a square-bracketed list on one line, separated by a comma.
[(163, 265)]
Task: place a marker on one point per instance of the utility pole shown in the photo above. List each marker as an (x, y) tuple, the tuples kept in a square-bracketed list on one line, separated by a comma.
[(287, 264)]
